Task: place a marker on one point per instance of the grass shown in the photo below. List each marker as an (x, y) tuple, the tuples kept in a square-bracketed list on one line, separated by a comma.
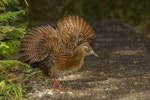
[(13, 75)]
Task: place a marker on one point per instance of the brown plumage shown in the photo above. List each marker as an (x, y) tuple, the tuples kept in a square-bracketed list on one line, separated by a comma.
[(59, 50)]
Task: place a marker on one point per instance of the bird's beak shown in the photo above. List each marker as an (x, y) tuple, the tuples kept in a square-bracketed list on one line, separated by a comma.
[(93, 53)]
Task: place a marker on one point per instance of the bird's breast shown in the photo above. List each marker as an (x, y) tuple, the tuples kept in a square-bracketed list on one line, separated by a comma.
[(66, 66)]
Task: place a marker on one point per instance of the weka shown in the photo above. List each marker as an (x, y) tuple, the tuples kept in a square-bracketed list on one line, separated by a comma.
[(61, 49)]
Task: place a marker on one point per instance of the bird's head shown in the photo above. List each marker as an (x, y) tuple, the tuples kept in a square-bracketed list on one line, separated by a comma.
[(86, 49)]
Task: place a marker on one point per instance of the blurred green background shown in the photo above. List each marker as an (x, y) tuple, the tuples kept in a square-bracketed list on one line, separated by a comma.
[(133, 12)]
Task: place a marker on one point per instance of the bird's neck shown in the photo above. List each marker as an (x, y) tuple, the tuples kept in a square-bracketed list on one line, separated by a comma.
[(78, 53)]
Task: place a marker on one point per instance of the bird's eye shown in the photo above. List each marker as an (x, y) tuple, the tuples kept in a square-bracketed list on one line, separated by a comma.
[(87, 49)]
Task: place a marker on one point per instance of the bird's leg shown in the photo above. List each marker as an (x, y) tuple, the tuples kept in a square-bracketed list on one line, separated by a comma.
[(58, 85)]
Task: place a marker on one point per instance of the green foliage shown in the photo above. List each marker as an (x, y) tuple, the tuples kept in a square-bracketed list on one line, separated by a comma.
[(12, 38), (9, 90), (3, 3), (11, 30), (11, 84), (9, 63), (10, 15), (13, 73)]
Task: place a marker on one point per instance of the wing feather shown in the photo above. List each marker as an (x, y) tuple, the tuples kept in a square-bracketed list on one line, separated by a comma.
[(74, 30), (39, 43)]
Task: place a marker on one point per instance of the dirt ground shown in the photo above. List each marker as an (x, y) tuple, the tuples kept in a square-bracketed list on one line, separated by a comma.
[(121, 72)]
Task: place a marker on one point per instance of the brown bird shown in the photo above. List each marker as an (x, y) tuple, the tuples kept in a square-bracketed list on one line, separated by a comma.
[(61, 49)]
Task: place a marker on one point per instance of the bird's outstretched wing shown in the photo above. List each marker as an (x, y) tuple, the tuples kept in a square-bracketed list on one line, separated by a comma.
[(44, 41), (74, 30), (38, 43)]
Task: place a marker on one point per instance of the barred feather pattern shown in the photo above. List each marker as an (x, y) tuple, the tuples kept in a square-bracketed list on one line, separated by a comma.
[(38, 43), (56, 44), (75, 30)]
